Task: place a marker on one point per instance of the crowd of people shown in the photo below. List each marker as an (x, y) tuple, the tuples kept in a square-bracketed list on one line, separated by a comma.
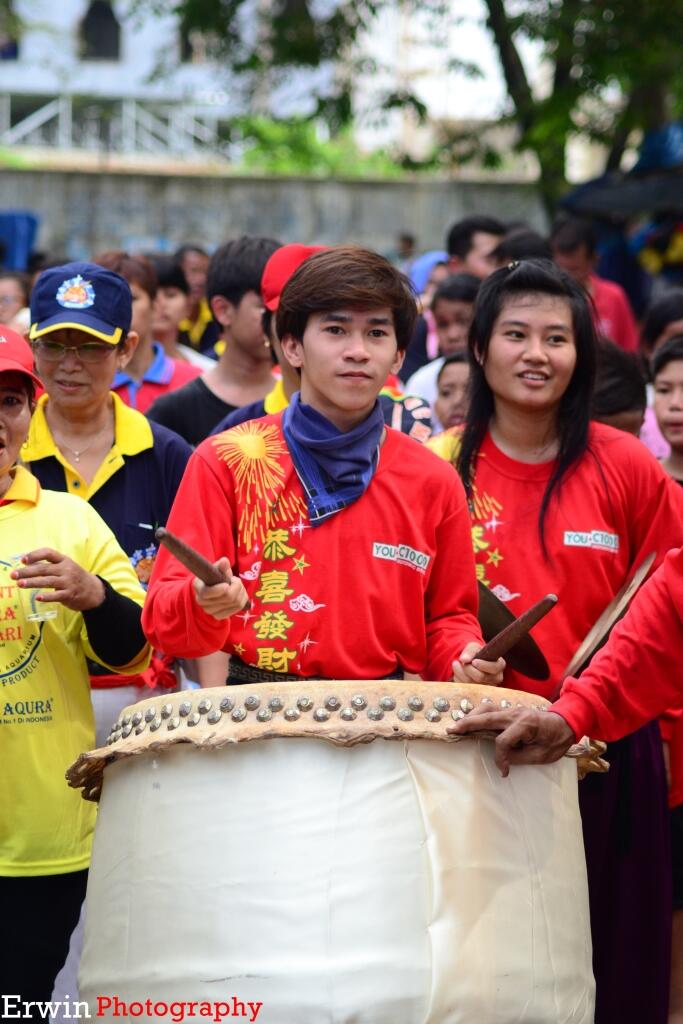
[(497, 408)]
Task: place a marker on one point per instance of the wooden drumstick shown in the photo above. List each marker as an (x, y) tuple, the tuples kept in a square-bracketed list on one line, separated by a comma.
[(513, 633), (199, 566)]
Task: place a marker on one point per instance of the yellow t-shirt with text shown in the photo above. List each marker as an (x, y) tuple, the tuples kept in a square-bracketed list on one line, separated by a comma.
[(46, 717)]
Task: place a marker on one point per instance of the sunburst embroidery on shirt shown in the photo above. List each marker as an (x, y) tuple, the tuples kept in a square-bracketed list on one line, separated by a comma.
[(484, 506), (253, 453)]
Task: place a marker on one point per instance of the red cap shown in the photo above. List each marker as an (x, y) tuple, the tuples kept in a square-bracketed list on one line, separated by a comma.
[(280, 268), (16, 355)]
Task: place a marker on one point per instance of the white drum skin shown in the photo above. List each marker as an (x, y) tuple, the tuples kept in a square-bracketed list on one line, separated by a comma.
[(396, 882)]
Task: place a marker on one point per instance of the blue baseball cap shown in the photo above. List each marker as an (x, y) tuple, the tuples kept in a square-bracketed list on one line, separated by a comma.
[(83, 296)]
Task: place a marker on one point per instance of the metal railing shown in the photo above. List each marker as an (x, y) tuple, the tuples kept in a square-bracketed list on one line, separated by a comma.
[(122, 126)]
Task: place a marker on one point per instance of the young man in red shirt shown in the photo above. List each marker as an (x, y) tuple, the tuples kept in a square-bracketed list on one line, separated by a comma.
[(574, 250), (313, 511)]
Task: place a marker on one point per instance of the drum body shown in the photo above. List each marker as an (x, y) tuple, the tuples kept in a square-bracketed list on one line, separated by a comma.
[(398, 882)]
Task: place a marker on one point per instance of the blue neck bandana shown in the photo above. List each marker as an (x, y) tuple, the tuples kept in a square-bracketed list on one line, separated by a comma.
[(335, 467)]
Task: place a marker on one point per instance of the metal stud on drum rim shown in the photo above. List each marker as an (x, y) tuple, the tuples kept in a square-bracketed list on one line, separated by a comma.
[(214, 716), (387, 703), (440, 704), (375, 714), (252, 702), (194, 719), (304, 703), (348, 714), (184, 709), (415, 703), (238, 714), (405, 714), (227, 704), (321, 715), (359, 702), (432, 715), (204, 706), (292, 714), (167, 711), (264, 715)]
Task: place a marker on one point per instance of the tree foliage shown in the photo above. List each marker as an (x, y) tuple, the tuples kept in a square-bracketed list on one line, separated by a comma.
[(613, 67), (610, 66)]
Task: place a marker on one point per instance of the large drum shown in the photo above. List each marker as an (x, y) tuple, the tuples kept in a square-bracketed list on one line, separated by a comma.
[(254, 850)]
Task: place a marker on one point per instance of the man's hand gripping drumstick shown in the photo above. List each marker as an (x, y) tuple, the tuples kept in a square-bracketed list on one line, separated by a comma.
[(486, 665), (526, 736), (218, 592)]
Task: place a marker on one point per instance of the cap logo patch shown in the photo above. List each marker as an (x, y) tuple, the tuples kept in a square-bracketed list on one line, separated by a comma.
[(75, 293)]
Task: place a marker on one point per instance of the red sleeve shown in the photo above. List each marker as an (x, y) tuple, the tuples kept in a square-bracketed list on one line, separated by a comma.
[(203, 515), (452, 599), (635, 676)]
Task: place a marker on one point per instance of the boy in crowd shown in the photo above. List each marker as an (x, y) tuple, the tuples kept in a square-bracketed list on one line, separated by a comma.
[(574, 246), (291, 501), (198, 328), (14, 294), (450, 406), (150, 373), (667, 372), (470, 243), (244, 371), (170, 309), (452, 309)]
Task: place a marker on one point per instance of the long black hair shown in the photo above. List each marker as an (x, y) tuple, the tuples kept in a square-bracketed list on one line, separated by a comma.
[(530, 277)]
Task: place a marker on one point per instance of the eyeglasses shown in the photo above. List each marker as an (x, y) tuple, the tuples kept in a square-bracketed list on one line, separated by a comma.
[(88, 352)]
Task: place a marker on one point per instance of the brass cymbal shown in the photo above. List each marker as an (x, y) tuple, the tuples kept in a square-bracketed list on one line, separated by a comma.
[(526, 656), (599, 633)]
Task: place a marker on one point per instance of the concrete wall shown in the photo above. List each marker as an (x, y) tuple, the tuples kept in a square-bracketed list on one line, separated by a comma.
[(84, 212)]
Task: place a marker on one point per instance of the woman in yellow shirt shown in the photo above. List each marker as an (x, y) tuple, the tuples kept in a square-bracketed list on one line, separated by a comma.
[(67, 593)]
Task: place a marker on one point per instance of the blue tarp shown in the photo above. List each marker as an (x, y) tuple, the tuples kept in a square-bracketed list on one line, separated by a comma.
[(18, 230)]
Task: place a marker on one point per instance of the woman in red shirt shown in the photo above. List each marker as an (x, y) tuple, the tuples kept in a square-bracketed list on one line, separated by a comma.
[(560, 504)]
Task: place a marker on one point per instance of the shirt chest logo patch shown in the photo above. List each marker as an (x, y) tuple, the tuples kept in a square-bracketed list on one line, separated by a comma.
[(402, 554), (598, 539)]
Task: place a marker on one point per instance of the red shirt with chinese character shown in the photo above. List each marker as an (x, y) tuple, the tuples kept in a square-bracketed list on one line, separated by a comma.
[(388, 581), (613, 508)]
